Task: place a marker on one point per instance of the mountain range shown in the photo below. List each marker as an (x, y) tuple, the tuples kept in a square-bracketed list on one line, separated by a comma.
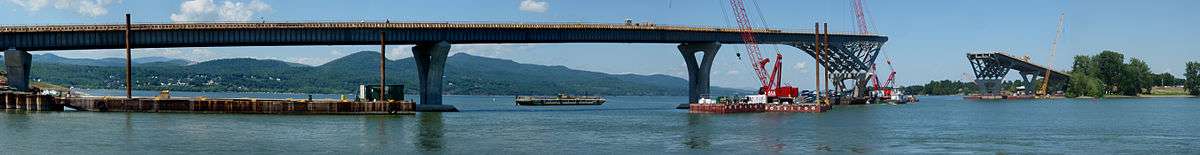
[(464, 75)]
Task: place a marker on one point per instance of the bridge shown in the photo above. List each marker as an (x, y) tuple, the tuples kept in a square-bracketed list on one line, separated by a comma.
[(849, 55), (991, 68)]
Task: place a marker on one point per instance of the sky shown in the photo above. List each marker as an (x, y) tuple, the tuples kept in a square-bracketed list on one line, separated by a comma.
[(928, 39)]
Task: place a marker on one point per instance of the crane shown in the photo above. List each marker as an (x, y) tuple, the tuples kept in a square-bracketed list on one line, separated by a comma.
[(862, 18), (891, 80), (771, 82), (888, 85), (1050, 61)]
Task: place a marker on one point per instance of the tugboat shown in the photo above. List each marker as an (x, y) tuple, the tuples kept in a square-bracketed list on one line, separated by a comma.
[(560, 99)]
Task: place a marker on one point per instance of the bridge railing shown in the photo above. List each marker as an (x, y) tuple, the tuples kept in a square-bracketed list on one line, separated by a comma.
[(387, 24)]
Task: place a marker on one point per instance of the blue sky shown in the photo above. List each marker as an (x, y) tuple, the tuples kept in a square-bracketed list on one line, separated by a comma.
[(928, 38)]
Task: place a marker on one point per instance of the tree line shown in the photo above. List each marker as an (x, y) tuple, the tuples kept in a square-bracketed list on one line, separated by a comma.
[(1108, 73)]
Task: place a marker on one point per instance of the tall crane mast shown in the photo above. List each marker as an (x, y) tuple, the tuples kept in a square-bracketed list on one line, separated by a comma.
[(771, 82), (862, 18), (1050, 61), (756, 60)]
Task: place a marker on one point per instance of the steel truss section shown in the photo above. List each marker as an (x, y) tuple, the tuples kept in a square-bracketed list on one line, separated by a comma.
[(846, 60)]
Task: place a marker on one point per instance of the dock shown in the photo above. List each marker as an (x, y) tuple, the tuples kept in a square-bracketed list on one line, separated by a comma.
[(35, 102)]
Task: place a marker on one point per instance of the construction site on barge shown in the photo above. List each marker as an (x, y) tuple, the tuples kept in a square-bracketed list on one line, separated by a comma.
[(774, 96)]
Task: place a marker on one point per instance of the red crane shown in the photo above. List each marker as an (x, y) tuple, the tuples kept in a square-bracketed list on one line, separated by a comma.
[(771, 82), (889, 84), (862, 18)]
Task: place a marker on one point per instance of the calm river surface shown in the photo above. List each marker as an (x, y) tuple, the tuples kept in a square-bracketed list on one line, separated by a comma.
[(492, 124)]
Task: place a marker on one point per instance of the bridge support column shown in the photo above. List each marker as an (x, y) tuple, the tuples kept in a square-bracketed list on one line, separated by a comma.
[(1028, 78), (8, 101), (17, 65), (698, 70), (431, 61)]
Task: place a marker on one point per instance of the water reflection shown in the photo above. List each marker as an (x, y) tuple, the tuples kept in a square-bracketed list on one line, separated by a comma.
[(128, 131), (771, 129), (377, 130), (429, 137), (699, 132), (17, 120)]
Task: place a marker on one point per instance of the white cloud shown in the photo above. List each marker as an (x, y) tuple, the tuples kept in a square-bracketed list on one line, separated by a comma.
[(534, 6), (733, 72), (801, 66), (207, 10), (90, 8)]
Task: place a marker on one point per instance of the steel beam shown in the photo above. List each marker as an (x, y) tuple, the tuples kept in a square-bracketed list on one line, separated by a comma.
[(845, 61)]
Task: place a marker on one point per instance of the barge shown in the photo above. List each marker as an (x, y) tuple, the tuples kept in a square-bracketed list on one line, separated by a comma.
[(754, 104), (560, 99), (164, 103)]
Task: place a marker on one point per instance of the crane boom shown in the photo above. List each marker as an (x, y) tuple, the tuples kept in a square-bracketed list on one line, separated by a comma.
[(861, 17), (1050, 61), (747, 29), (772, 85)]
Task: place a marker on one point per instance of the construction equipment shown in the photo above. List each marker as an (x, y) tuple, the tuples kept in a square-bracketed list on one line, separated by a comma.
[(1050, 61), (886, 88), (861, 17), (772, 87)]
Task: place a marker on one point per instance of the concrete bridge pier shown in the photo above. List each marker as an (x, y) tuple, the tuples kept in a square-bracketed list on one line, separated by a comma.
[(431, 62), (8, 101), (16, 63), (698, 70)]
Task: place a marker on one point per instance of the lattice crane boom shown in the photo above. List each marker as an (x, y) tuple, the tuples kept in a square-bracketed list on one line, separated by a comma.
[(747, 29), (861, 17), (1050, 61)]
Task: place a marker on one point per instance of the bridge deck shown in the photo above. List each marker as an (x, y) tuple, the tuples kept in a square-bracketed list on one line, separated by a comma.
[(374, 25), (1021, 65), (82, 37)]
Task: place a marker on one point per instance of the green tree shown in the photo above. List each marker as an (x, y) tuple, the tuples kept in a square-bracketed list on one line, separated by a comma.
[(1136, 78), (1078, 85), (1083, 79), (1110, 65), (1193, 78), (1085, 66), (1166, 79)]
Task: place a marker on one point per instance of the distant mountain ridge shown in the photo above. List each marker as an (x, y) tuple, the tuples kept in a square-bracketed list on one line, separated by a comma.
[(51, 58), (464, 75)]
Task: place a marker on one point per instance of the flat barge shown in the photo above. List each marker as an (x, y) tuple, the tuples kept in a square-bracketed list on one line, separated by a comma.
[(561, 99), (998, 97), (29, 101), (757, 107)]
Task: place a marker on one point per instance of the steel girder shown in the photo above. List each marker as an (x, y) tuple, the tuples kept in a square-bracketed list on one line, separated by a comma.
[(988, 66), (849, 60)]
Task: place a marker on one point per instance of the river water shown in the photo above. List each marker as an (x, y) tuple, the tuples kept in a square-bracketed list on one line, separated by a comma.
[(492, 124)]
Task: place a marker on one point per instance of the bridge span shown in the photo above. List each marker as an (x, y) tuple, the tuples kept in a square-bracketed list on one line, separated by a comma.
[(991, 68), (850, 55)]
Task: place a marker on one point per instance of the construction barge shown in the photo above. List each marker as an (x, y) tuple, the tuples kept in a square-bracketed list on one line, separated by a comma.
[(165, 104), (755, 104), (560, 99)]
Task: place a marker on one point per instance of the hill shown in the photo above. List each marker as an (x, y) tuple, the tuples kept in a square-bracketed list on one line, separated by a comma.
[(465, 75)]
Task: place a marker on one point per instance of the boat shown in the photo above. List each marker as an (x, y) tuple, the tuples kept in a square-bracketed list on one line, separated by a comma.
[(560, 99), (895, 97)]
